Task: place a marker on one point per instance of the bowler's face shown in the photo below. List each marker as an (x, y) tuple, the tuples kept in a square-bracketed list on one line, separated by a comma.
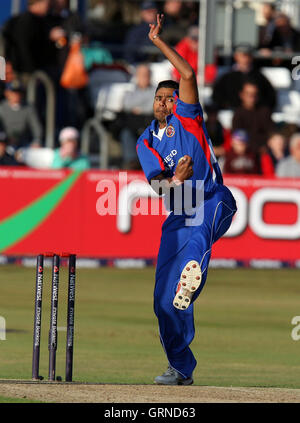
[(163, 104)]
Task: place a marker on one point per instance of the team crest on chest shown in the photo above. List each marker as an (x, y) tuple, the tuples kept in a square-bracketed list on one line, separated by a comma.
[(170, 131)]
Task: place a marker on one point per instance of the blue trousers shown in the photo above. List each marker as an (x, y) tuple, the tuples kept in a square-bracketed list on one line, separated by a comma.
[(180, 244)]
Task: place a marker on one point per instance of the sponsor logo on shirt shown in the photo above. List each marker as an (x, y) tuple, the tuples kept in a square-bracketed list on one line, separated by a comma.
[(169, 159)]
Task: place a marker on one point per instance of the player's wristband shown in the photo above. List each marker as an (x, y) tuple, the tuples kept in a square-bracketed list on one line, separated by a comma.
[(176, 181)]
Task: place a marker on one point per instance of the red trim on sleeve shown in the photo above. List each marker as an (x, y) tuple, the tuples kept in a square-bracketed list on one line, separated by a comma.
[(155, 153), (194, 126)]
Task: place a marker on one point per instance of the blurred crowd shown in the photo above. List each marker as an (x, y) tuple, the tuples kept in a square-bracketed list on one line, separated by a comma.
[(112, 43)]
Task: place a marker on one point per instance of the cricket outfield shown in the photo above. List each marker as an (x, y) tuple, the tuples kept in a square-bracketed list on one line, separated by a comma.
[(243, 343)]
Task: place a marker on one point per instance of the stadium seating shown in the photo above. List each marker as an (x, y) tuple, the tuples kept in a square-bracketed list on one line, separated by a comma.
[(160, 71), (110, 99)]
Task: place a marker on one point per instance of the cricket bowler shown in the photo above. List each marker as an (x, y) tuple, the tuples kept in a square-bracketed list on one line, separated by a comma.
[(176, 152)]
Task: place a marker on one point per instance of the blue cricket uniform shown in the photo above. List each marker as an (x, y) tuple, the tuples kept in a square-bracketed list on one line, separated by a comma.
[(185, 134)]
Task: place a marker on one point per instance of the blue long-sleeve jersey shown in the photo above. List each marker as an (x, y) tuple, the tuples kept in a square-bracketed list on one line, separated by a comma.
[(185, 134)]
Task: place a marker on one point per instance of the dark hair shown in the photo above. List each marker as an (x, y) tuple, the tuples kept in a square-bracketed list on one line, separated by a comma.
[(169, 83), (249, 81), (271, 5)]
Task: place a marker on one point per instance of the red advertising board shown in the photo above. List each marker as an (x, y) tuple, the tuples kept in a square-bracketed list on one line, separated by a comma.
[(112, 214)]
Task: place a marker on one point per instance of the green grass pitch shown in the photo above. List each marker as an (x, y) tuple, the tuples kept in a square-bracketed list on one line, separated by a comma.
[(242, 318)]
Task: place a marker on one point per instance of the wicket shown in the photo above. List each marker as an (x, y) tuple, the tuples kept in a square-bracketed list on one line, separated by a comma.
[(52, 342)]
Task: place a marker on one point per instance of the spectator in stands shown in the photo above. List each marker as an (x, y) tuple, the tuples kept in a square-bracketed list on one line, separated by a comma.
[(215, 130), (289, 167), (175, 26), (65, 18), (6, 159), (18, 119), (284, 37), (137, 37), (276, 150), (266, 31), (68, 154), (64, 24), (190, 13), (240, 159), (227, 88), (137, 112), (29, 42), (72, 105), (109, 20), (10, 75), (253, 117), (188, 49), (172, 11)]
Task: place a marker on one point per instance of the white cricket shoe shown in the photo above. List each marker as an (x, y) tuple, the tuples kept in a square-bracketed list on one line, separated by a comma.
[(190, 280), (172, 377)]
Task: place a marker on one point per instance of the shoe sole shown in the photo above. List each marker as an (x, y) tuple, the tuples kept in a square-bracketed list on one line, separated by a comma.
[(185, 382), (178, 382), (190, 280), (166, 383)]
